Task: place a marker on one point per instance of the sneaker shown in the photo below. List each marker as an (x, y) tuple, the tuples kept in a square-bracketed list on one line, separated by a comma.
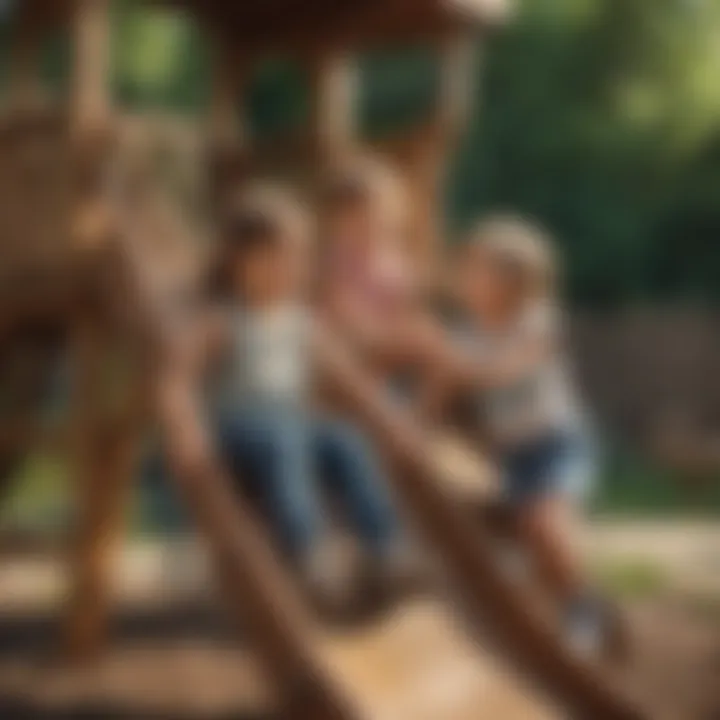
[(584, 625)]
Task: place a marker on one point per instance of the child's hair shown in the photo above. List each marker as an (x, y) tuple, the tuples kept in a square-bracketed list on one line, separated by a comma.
[(368, 181), (257, 217), (521, 249)]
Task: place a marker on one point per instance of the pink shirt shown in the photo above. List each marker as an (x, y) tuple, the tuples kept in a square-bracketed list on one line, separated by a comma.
[(381, 283)]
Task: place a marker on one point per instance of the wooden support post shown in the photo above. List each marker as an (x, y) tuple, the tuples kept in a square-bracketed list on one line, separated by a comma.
[(90, 126), (91, 69), (333, 81), (104, 463), (227, 130), (459, 58), (99, 455), (427, 174)]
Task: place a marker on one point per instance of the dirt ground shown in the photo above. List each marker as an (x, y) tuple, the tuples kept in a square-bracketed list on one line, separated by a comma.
[(676, 661), (173, 660), (668, 578)]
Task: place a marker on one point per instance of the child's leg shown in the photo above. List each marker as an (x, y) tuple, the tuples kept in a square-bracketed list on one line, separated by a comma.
[(274, 449), (349, 462), (545, 483), (546, 528)]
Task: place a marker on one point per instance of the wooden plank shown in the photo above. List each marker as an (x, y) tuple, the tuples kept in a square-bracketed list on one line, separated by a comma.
[(97, 490), (417, 663), (99, 486)]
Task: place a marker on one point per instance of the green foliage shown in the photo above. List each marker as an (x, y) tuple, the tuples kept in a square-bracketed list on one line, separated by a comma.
[(39, 494), (599, 118), (160, 58), (630, 485)]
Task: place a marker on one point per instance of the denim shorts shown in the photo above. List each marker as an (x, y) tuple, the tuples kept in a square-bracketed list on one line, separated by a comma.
[(559, 463)]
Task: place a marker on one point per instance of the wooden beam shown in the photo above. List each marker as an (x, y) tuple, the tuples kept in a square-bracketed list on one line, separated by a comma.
[(334, 88), (100, 456), (106, 466), (109, 424), (96, 501), (90, 120), (459, 60), (91, 37), (228, 128), (425, 174), (262, 597)]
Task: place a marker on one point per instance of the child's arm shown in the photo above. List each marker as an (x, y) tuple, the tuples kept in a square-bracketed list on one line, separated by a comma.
[(386, 344), (349, 381), (499, 369), (344, 311), (533, 344)]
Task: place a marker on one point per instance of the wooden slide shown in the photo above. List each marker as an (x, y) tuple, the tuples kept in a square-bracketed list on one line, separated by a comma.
[(421, 662)]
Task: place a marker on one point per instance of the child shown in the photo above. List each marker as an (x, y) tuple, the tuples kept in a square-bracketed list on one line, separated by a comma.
[(268, 429), (511, 355), (370, 287)]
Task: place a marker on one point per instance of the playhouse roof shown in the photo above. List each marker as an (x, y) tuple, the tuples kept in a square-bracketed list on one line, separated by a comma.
[(258, 23)]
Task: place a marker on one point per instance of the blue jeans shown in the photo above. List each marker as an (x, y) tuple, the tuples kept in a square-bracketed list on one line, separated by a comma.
[(559, 463), (284, 453)]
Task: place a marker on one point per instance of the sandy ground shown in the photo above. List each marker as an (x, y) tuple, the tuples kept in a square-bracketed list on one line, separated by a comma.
[(178, 655), (174, 656), (674, 614), (686, 553)]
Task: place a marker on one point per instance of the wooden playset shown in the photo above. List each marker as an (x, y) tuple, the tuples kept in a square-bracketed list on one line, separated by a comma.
[(72, 275)]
